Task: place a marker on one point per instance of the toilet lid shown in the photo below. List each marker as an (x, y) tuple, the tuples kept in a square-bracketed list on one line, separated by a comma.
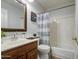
[(44, 47)]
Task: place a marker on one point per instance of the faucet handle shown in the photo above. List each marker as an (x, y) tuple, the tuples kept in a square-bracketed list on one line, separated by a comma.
[(24, 33)]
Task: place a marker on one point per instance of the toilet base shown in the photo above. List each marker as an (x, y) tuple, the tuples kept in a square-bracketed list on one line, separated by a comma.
[(44, 56)]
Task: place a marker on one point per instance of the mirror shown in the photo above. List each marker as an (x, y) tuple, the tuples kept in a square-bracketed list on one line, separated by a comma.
[(13, 15)]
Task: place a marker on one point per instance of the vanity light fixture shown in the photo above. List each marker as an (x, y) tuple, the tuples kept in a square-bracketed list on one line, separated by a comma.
[(24, 1)]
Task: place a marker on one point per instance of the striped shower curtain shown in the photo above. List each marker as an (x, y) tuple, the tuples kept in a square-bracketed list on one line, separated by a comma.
[(43, 28)]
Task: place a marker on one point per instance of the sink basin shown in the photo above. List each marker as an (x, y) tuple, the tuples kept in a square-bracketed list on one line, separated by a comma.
[(11, 44), (12, 41)]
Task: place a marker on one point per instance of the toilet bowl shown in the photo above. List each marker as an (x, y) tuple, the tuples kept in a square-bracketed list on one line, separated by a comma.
[(43, 51)]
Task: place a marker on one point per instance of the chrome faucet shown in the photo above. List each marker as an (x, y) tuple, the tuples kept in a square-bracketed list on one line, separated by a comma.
[(14, 37)]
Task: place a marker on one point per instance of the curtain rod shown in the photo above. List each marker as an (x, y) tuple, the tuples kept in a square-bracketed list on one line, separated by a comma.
[(57, 8)]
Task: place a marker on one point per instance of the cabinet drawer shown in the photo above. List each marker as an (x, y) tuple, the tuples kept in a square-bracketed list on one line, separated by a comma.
[(21, 50), (31, 46), (11, 53), (27, 48)]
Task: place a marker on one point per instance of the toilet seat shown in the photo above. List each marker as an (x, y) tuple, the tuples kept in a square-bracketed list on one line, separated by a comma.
[(44, 48)]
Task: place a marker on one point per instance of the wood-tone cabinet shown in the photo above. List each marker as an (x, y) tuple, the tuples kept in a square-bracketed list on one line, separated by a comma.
[(22, 57), (27, 51), (32, 54)]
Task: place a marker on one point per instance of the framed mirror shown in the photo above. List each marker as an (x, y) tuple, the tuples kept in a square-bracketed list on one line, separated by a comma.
[(13, 16)]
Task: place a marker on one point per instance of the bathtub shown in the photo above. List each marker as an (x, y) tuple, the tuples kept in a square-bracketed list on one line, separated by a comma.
[(63, 53)]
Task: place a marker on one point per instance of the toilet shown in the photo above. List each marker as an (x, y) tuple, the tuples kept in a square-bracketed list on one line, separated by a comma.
[(43, 51)]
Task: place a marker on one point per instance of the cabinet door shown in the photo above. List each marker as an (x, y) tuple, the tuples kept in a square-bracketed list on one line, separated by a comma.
[(9, 57), (32, 54), (22, 57)]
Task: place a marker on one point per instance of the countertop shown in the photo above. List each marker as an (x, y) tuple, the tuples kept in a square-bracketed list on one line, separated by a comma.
[(17, 43)]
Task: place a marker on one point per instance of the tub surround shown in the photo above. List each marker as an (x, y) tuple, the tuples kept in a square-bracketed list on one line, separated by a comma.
[(63, 53)]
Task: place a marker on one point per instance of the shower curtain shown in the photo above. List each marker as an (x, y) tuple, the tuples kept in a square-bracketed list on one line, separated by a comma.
[(43, 28)]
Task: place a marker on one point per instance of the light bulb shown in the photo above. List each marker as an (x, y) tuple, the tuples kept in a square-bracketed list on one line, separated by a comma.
[(30, 0), (23, 1)]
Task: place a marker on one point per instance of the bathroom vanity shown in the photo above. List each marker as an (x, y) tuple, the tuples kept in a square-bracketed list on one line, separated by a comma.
[(26, 50)]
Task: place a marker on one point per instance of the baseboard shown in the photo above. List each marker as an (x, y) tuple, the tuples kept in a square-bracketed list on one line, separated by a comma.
[(54, 57)]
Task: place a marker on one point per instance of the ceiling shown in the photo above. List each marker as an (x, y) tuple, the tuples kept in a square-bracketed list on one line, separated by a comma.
[(53, 4), (47, 5)]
